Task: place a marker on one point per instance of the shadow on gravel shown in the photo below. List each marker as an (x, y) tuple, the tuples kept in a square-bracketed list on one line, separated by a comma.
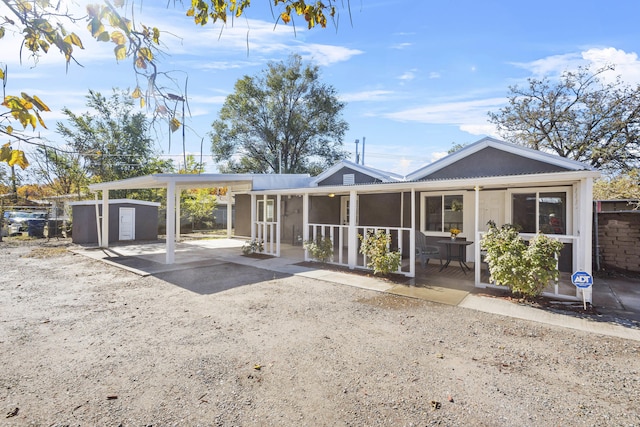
[(209, 280)]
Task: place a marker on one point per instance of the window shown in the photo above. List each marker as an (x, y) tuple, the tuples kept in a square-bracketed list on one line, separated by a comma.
[(544, 212), (442, 213), (269, 211)]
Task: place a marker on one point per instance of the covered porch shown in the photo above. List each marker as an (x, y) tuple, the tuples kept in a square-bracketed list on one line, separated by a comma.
[(402, 210)]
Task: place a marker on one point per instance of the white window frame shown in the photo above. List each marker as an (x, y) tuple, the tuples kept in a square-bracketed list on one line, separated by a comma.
[(270, 210), (568, 190), (442, 194)]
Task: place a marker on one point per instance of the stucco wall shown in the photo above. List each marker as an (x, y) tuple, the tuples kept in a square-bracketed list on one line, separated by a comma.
[(243, 215), (619, 241)]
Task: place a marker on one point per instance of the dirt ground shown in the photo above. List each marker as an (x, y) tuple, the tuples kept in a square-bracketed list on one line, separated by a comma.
[(84, 343)]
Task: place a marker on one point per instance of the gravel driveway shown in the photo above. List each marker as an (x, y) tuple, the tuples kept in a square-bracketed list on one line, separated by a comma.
[(84, 343)]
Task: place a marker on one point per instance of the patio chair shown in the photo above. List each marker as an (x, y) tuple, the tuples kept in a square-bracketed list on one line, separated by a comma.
[(424, 251)]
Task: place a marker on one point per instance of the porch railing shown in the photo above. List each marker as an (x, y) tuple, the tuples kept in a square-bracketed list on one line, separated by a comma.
[(552, 290), (266, 232), (339, 235)]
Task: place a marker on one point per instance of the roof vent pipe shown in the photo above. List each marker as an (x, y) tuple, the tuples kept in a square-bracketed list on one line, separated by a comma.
[(363, 151)]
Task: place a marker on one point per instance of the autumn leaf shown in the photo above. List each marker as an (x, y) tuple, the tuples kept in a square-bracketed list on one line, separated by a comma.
[(174, 124), (117, 37), (137, 93), (121, 52)]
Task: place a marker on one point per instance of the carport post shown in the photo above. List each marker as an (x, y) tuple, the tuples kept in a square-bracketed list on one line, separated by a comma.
[(171, 222), (105, 218), (178, 194)]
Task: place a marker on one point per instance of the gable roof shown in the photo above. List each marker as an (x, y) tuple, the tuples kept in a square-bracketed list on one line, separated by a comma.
[(492, 157), (377, 174)]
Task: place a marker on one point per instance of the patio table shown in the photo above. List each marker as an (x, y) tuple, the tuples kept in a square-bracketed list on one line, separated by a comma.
[(452, 255)]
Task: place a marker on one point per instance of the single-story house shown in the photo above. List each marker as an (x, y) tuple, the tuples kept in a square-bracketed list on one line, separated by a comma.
[(489, 180)]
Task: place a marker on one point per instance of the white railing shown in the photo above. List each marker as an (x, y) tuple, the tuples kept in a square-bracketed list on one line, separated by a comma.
[(266, 233), (556, 285), (339, 235)]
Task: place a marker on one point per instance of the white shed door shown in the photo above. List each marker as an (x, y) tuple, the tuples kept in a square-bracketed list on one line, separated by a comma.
[(127, 224)]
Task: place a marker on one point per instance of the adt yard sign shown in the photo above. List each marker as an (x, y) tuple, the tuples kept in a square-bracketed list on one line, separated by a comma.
[(581, 279)]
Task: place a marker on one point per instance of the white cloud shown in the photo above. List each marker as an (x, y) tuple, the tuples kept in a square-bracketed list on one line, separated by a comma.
[(627, 65), (401, 46), (325, 55), (371, 95), (469, 114), (434, 75), (408, 75)]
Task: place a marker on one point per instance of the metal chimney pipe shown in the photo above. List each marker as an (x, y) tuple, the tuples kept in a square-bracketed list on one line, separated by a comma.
[(363, 151)]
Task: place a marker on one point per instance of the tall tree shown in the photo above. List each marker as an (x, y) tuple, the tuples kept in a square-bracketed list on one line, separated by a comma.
[(581, 117), (112, 138), (283, 120), (62, 171)]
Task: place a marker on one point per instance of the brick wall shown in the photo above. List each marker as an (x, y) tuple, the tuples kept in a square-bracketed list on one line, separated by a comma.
[(619, 241)]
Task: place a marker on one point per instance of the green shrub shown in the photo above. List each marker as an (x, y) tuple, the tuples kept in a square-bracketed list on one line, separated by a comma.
[(320, 249), (375, 246), (525, 269), (252, 247)]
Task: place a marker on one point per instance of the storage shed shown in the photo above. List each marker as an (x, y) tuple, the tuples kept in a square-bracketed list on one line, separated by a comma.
[(129, 220)]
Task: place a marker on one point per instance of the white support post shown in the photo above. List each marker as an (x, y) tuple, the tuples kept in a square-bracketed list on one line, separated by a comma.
[(229, 213), (178, 214), (305, 222), (171, 223), (278, 225), (105, 218), (254, 208), (585, 244), (412, 235), (477, 267), (353, 238), (98, 223)]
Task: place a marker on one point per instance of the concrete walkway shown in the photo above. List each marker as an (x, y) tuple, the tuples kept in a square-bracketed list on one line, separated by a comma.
[(148, 259)]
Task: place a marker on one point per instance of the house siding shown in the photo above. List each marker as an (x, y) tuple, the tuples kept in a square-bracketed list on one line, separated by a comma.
[(360, 178), (493, 162)]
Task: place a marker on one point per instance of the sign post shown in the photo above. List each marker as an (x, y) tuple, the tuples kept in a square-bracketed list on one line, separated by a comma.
[(582, 280)]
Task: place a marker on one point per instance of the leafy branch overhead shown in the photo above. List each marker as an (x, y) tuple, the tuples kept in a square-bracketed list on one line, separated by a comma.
[(44, 24)]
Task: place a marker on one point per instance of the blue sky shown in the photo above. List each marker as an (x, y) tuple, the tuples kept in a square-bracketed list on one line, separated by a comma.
[(417, 76)]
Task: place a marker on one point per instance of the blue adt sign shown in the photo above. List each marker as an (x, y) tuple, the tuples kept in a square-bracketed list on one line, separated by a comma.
[(581, 279)]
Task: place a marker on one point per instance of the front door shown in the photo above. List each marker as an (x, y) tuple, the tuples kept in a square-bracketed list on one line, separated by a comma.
[(127, 224)]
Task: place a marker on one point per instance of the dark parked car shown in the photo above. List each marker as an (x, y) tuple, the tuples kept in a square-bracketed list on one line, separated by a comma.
[(20, 221)]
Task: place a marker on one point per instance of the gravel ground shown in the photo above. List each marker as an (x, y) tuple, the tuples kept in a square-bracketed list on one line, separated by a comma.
[(84, 343)]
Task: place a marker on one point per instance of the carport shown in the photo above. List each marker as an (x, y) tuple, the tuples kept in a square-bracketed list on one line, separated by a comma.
[(175, 184)]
